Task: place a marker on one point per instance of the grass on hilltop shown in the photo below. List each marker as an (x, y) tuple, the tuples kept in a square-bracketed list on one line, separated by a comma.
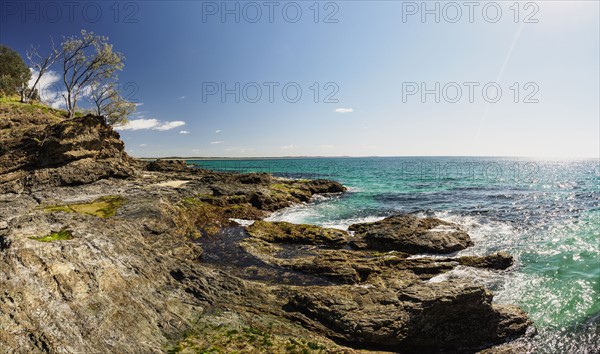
[(12, 107)]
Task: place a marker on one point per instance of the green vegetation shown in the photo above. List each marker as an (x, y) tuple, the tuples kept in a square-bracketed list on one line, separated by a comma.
[(62, 235), (14, 74), (221, 339), (30, 107), (104, 207)]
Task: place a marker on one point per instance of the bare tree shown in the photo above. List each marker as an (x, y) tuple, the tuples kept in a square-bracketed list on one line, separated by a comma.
[(87, 59), (41, 64), (109, 104), (101, 95)]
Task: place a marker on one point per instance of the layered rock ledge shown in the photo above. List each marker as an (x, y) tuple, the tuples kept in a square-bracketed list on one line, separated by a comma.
[(103, 253)]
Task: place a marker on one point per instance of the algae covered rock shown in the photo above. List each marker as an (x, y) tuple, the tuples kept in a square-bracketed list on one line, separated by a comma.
[(410, 234), (292, 233)]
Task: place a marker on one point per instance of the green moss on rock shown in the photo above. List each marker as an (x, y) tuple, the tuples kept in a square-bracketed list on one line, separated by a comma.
[(223, 339), (62, 235), (104, 207), (292, 233)]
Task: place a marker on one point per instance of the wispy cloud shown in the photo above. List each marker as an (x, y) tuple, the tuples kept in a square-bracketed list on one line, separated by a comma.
[(218, 131), (182, 98), (139, 104), (142, 145), (164, 126), (184, 132), (138, 115), (344, 110), (216, 142), (153, 124), (240, 149)]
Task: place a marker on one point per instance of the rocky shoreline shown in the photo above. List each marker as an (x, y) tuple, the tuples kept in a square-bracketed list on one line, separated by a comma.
[(100, 252)]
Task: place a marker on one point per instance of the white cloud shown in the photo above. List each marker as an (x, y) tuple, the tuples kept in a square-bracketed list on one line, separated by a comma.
[(57, 103), (184, 132), (344, 110), (47, 81), (139, 104), (218, 131), (49, 88), (138, 124), (142, 145), (182, 98), (154, 124), (169, 125), (287, 147), (216, 142)]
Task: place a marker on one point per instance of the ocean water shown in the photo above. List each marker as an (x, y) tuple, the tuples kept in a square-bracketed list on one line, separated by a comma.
[(546, 213)]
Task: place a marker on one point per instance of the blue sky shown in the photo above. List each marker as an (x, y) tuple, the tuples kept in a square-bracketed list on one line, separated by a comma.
[(365, 56)]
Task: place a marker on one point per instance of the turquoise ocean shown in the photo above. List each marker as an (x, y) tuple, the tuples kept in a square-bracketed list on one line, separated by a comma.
[(546, 213)]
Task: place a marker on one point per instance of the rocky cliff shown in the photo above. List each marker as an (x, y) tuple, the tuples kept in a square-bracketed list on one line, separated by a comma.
[(39, 154), (102, 253)]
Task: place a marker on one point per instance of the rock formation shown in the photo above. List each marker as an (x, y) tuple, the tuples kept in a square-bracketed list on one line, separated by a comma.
[(407, 233), (69, 152), (102, 253)]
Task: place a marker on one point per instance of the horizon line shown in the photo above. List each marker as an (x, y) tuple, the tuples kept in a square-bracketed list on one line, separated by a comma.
[(358, 156)]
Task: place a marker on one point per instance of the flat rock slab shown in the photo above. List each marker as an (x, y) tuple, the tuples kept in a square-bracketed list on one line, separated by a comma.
[(296, 233), (410, 234)]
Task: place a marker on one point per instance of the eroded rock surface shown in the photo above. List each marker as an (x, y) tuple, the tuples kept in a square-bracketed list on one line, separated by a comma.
[(69, 152), (408, 233), (294, 233), (455, 316)]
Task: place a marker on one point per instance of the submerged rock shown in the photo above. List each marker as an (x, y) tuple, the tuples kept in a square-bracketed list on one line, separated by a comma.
[(410, 234)]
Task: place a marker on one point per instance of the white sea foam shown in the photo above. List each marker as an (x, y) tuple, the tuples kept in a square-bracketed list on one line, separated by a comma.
[(488, 278), (296, 214), (345, 223), (488, 235), (242, 222)]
